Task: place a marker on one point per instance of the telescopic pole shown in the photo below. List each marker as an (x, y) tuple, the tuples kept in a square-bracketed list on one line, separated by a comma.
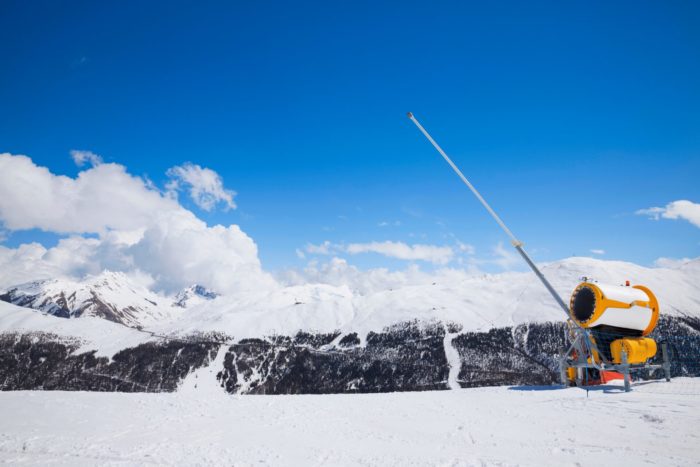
[(513, 240)]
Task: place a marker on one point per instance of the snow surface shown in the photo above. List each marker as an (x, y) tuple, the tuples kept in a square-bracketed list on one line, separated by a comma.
[(106, 337), (453, 360), (484, 426), (203, 380)]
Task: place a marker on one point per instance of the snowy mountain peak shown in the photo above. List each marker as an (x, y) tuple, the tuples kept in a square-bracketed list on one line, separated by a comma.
[(107, 277), (109, 295), (193, 295)]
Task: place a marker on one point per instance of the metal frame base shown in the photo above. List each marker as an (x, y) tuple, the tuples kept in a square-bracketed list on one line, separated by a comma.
[(585, 347)]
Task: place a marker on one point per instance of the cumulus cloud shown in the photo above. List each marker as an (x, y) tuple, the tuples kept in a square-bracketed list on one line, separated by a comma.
[(339, 272), (597, 251), (181, 249), (138, 230), (430, 253), (681, 209), (25, 263), (82, 157), (205, 187), (100, 198)]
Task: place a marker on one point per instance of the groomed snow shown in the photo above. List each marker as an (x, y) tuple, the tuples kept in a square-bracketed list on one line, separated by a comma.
[(486, 426)]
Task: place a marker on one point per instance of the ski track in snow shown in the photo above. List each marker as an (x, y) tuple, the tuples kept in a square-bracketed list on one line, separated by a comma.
[(453, 360), (484, 426), (203, 380)]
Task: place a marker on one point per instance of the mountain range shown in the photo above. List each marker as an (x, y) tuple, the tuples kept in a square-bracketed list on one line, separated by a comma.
[(108, 333), (474, 301), (109, 295)]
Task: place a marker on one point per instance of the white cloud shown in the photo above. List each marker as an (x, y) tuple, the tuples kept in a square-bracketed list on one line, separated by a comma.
[(431, 253), (681, 209), (180, 249), (206, 188), (466, 248), (653, 213), (322, 249), (100, 198), (177, 251), (23, 264), (139, 231), (507, 259), (399, 250), (501, 257), (82, 157), (338, 272), (597, 251)]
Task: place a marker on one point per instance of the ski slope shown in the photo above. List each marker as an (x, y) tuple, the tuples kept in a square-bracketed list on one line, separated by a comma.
[(485, 426)]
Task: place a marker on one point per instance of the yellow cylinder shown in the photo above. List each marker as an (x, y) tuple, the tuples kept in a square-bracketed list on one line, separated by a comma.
[(638, 349), (625, 307)]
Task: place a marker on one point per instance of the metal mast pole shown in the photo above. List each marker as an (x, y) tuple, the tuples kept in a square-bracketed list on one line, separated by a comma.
[(513, 240)]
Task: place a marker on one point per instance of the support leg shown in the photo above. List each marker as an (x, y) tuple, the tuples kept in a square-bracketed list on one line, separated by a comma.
[(625, 371), (667, 361), (563, 378)]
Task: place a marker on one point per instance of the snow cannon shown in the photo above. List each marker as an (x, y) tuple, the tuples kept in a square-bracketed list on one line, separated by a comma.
[(619, 318), (609, 324)]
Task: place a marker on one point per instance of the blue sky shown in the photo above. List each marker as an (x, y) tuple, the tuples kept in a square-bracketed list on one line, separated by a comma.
[(568, 116)]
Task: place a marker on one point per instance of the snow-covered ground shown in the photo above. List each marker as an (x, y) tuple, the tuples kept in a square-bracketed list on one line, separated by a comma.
[(486, 426), (91, 333)]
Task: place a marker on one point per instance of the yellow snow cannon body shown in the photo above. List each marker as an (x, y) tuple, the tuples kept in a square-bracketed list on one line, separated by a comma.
[(619, 316)]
